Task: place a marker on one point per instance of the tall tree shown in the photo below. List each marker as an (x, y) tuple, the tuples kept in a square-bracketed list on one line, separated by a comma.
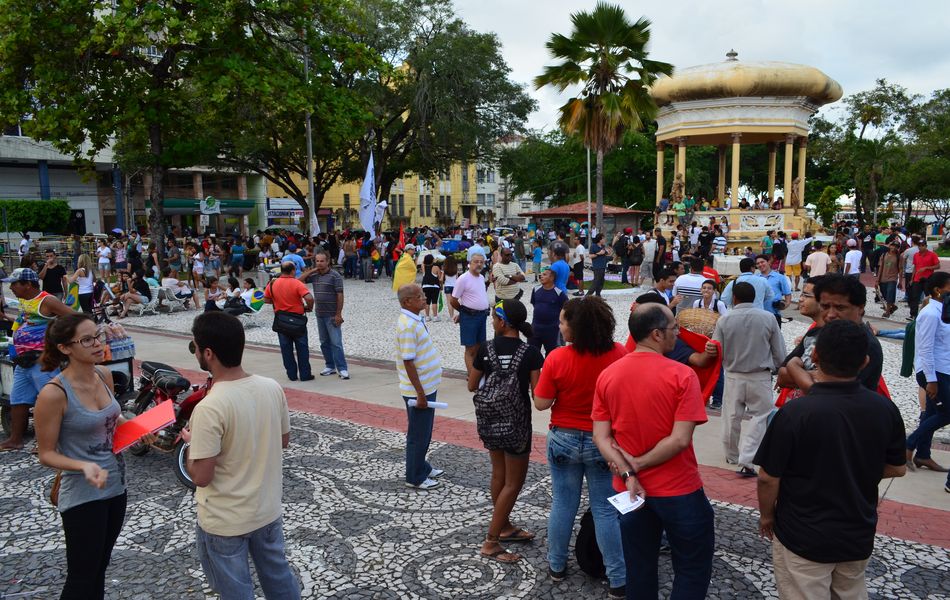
[(607, 55), (443, 95), (146, 72)]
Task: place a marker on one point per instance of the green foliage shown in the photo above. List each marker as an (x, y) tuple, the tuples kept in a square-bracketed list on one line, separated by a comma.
[(916, 225), (827, 205), (442, 94), (606, 54), (48, 216)]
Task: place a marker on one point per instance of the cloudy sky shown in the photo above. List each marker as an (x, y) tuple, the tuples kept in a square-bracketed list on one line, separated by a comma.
[(854, 42)]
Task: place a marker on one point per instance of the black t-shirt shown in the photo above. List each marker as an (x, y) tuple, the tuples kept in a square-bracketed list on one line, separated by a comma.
[(680, 352), (141, 287), (706, 239), (829, 448), (506, 347), (780, 249), (53, 280)]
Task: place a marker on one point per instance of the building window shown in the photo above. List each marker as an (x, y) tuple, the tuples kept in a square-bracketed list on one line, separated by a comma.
[(445, 175), (480, 199), (525, 206), (346, 202), (448, 206), (428, 205), (480, 175), (489, 176), (442, 205), (490, 199), (402, 205)]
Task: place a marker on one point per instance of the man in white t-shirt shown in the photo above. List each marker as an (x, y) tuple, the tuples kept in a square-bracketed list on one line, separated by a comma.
[(24, 245), (793, 261), (649, 253), (237, 436), (852, 260), (907, 262), (817, 262)]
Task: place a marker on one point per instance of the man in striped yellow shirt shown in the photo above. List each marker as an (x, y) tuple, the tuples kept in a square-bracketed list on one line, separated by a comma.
[(420, 373)]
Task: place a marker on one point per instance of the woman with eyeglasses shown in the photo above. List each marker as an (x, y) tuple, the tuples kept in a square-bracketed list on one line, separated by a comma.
[(503, 415), (76, 416)]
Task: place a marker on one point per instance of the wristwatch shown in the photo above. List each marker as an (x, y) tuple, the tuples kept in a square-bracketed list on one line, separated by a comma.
[(627, 474)]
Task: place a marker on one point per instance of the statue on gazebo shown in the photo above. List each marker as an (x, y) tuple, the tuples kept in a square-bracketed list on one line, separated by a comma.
[(796, 201), (677, 192)]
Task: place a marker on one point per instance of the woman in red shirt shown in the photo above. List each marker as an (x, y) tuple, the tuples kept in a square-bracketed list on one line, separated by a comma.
[(567, 388)]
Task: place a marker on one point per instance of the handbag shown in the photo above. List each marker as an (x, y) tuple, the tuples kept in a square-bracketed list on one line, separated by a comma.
[(54, 491), (293, 325)]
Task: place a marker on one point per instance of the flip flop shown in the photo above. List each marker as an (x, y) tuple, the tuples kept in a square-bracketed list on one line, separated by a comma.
[(10, 448), (518, 535), (501, 555)]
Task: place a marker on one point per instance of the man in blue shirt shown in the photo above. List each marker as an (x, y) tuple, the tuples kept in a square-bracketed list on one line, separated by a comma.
[(476, 248), (559, 265), (781, 288), (298, 261), (763, 291)]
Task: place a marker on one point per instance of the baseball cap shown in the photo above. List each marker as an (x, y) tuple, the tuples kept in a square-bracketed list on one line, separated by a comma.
[(794, 235), (410, 247), (852, 243), (22, 274), (628, 230)]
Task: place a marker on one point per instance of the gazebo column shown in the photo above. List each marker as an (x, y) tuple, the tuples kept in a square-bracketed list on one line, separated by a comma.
[(801, 170), (676, 159), (721, 182), (736, 145), (660, 156), (682, 158), (787, 187), (772, 152)]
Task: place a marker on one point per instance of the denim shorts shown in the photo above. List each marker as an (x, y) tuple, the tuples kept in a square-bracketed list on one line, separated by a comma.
[(27, 384), (472, 328)]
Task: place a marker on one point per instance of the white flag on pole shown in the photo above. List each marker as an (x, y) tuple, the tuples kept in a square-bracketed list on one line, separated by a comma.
[(368, 197), (314, 224)]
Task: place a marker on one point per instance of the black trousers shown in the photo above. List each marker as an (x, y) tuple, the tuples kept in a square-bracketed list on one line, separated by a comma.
[(91, 531), (915, 295)]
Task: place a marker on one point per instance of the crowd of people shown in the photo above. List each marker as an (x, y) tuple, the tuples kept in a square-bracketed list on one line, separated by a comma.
[(614, 422)]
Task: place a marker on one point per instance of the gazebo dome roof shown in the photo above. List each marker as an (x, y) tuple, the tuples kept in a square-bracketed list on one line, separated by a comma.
[(735, 79)]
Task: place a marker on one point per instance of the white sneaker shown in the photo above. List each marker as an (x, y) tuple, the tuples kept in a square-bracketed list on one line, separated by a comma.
[(435, 318), (327, 371), (436, 473), (428, 484), (344, 374)]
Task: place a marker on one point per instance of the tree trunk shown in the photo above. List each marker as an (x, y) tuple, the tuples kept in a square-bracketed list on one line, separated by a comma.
[(156, 194), (600, 192)]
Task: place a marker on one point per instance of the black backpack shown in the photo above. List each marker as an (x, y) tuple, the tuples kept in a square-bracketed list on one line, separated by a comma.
[(502, 416), (586, 550)]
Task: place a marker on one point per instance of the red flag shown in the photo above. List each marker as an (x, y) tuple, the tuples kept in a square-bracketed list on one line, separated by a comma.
[(402, 236)]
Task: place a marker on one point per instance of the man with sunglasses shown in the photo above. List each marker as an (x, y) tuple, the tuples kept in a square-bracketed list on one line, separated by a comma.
[(37, 309), (237, 436)]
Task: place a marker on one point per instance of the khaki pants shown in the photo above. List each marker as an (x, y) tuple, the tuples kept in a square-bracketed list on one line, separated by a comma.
[(797, 578), (745, 393)]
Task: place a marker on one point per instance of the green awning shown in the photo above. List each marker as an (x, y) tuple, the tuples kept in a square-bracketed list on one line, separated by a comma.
[(190, 206)]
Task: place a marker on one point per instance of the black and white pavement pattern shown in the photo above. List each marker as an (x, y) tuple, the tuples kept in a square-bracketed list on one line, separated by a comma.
[(354, 530)]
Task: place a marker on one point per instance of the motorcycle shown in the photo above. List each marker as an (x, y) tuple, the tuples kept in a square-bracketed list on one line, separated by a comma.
[(158, 383)]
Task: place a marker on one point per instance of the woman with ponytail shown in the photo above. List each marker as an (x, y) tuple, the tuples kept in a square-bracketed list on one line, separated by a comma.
[(511, 368), (76, 416)]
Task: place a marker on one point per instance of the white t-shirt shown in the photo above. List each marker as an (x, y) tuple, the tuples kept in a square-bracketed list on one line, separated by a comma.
[(649, 250), (690, 286), (719, 304), (104, 254), (241, 423), (24, 246), (909, 259), (694, 236), (578, 254), (818, 263), (853, 258), (795, 249)]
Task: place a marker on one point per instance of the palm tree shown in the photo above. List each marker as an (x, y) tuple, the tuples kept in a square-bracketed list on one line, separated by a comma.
[(607, 54)]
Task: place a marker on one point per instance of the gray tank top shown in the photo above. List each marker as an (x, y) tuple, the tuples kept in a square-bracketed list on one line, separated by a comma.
[(87, 435)]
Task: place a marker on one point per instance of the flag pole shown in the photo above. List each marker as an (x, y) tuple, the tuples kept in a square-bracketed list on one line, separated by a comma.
[(312, 217)]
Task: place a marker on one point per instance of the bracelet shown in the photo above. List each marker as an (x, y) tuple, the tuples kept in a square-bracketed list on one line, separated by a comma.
[(627, 474)]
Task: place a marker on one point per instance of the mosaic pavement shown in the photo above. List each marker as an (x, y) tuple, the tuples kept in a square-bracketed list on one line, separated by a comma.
[(354, 531)]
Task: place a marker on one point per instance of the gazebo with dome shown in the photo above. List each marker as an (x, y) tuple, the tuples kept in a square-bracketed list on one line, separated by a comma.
[(736, 103)]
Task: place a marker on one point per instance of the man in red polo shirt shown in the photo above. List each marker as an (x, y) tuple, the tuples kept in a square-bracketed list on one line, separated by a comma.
[(925, 263), (645, 409)]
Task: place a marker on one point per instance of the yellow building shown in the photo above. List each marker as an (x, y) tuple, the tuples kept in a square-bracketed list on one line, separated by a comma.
[(465, 192)]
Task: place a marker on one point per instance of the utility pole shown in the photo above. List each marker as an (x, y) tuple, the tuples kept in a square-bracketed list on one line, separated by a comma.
[(312, 217)]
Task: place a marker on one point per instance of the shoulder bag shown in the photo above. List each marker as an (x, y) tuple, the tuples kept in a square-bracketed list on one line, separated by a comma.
[(293, 325)]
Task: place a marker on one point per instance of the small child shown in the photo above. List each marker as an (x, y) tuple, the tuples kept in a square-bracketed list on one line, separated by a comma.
[(213, 293), (536, 259)]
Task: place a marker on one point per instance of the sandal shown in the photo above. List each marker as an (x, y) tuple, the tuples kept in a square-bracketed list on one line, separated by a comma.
[(501, 555), (518, 535)]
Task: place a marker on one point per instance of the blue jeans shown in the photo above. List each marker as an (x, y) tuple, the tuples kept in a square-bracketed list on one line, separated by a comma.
[(287, 346), (936, 415), (349, 266), (720, 386), (331, 343), (418, 437), (688, 523), (572, 456), (889, 291), (224, 561)]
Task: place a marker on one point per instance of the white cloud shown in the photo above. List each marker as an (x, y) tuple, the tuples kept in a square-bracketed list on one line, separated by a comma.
[(854, 42)]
